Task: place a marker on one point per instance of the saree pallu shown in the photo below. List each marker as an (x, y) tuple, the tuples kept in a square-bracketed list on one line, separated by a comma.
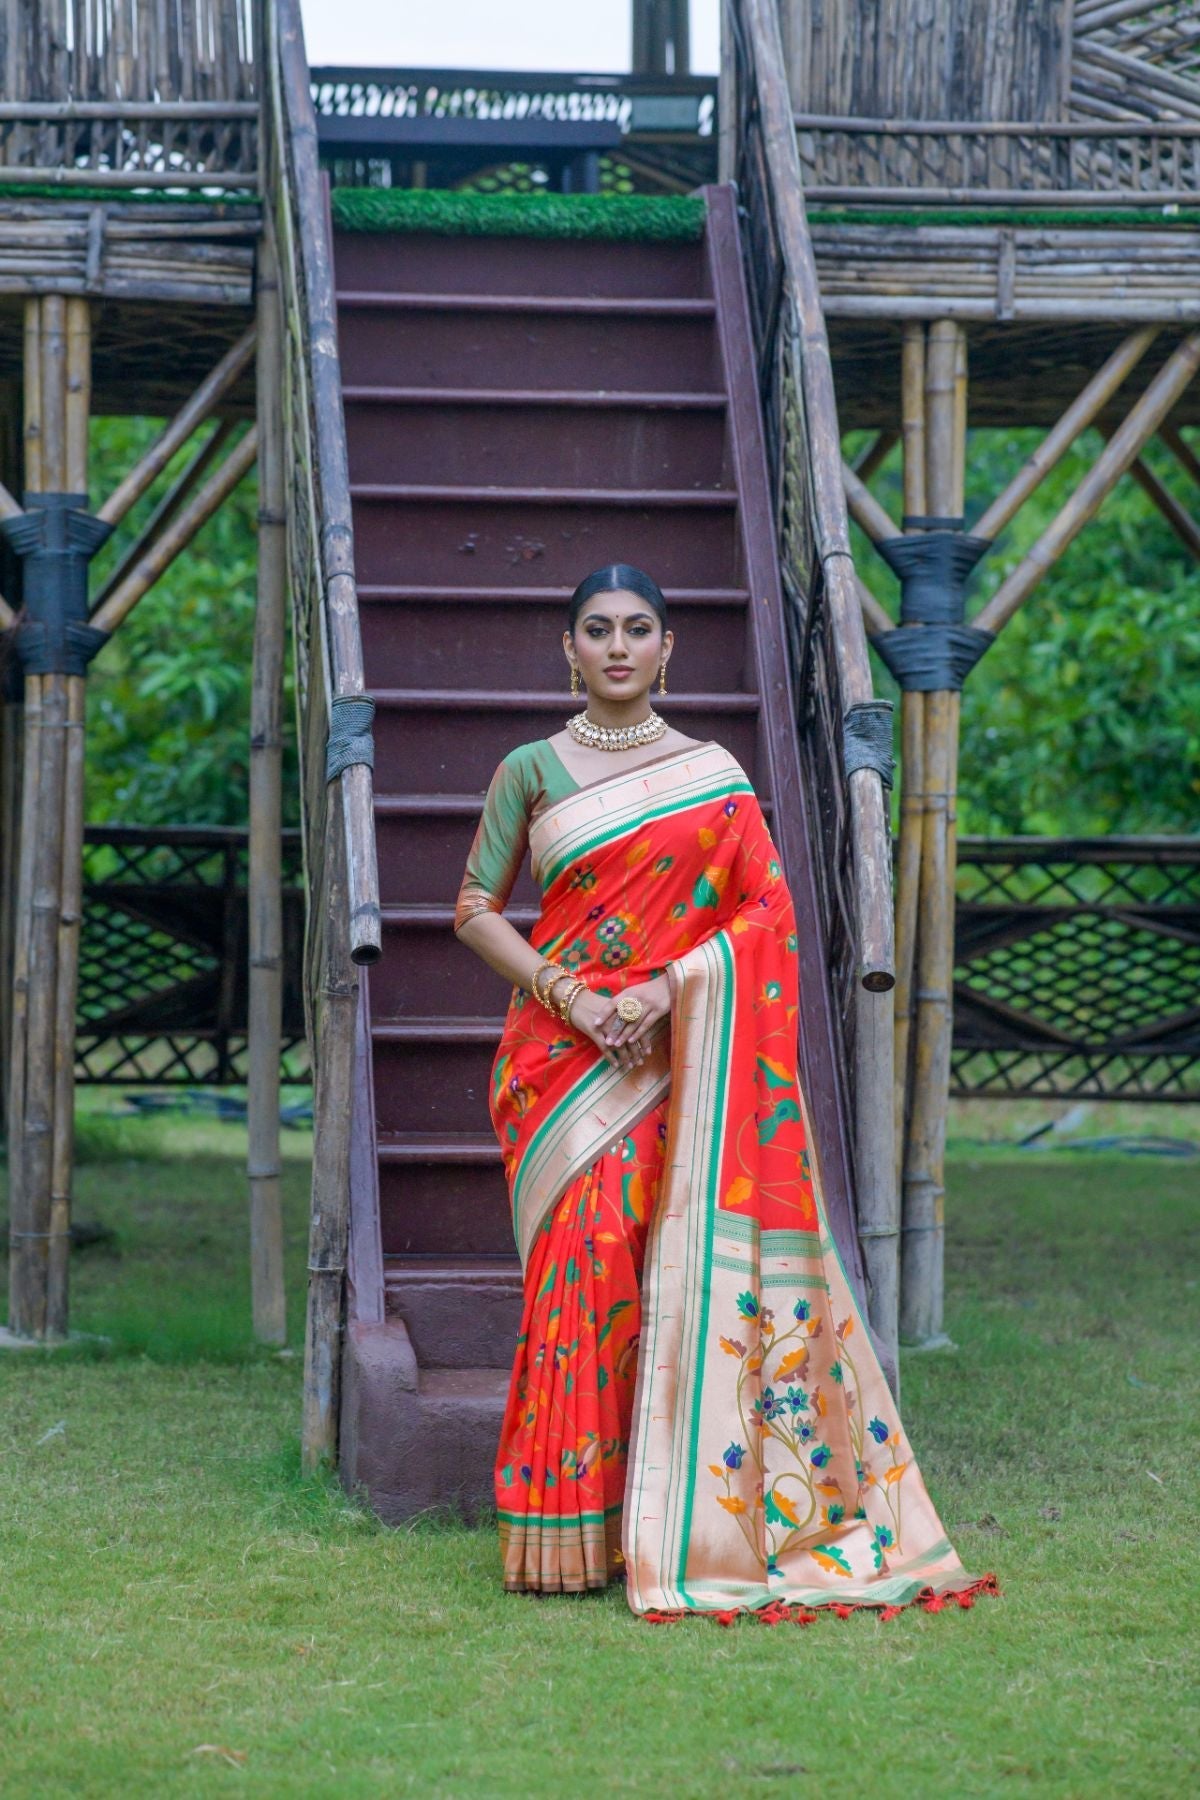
[(695, 1401)]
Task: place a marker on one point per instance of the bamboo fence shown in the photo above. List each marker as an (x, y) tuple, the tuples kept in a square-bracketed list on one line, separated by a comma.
[(127, 95)]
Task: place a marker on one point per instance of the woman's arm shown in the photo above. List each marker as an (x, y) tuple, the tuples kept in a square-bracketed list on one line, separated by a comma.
[(503, 948), (498, 850)]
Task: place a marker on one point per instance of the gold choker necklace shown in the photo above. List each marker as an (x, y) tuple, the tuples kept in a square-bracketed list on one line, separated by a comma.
[(585, 731)]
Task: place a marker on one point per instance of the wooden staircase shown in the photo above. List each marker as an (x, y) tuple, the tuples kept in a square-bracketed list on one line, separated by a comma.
[(519, 412)]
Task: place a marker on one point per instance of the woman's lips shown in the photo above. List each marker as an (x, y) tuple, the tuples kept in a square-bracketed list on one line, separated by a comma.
[(618, 674)]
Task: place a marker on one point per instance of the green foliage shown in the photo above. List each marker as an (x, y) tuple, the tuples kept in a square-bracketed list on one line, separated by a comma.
[(637, 218), (169, 696), (1084, 718)]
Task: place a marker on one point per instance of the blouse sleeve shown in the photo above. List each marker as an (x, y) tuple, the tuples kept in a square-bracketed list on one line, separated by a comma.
[(498, 850)]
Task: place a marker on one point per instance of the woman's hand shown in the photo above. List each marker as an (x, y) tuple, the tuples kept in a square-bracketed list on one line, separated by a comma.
[(621, 1044)]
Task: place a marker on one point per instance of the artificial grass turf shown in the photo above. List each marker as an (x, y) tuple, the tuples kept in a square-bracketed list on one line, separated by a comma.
[(625, 218), (182, 1613)]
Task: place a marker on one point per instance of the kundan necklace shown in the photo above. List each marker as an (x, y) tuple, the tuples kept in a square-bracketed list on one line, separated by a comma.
[(585, 731)]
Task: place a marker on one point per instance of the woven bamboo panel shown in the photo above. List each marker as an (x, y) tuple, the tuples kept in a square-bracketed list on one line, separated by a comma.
[(1078, 969)]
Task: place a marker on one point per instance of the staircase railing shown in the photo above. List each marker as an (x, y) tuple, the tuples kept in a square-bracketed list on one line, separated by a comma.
[(343, 921), (845, 731)]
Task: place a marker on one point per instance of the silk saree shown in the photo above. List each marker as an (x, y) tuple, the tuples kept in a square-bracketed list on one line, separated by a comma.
[(695, 1404)]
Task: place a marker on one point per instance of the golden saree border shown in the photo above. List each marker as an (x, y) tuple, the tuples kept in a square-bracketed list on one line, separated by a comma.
[(601, 1107), (768, 1466), (572, 1555), (579, 824)]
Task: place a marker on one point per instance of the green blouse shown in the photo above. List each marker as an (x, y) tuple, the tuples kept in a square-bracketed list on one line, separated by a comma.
[(529, 779)]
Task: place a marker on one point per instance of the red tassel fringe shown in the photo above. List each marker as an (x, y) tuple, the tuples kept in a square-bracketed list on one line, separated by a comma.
[(778, 1613)]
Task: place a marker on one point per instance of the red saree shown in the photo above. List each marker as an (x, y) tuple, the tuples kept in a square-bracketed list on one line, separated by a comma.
[(694, 1402)]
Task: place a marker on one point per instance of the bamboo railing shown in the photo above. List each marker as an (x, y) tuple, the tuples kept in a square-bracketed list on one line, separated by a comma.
[(128, 95), (831, 670), (343, 927)]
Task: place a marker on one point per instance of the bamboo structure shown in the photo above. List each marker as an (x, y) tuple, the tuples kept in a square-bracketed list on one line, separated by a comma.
[(816, 551), (344, 921), (1033, 116), (266, 827)]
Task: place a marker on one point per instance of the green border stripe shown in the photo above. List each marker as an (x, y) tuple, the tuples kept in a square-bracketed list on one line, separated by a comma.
[(721, 945), (573, 848)]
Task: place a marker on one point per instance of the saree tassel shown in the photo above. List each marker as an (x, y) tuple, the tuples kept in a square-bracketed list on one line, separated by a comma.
[(778, 1612)]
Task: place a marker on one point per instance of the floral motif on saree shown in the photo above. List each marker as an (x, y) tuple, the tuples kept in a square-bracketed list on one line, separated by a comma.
[(695, 1398)]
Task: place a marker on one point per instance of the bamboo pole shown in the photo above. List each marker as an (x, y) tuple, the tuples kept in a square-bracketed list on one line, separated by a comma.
[(923, 1198), (876, 454), (1182, 451), (334, 1026), (32, 429), (178, 535), (266, 823), (875, 616), (168, 506), (70, 919), (21, 1272), (1177, 517), (1054, 446), (202, 403), (77, 413), (865, 509), (912, 736), (1139, 426)]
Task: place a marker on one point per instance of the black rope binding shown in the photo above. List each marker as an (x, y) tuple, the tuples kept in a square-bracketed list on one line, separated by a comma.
[(867, 739), (934, 571), (56, 538), (350, 739)]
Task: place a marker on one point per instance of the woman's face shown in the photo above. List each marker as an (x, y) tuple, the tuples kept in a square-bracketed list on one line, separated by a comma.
[(618, 643)]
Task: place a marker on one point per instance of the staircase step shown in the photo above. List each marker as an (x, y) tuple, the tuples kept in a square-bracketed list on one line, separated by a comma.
[(443, 1192), (450, 638), (441, 739), (484, 537), (589, 306), (411, 493), (433, 1147), (584, 399), (603, 442), (509, 594), (385, 261), (424, 969), (461, 341), (460, 1313)]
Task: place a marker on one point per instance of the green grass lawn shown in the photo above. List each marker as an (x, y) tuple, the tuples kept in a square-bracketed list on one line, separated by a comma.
[(182, 1614)]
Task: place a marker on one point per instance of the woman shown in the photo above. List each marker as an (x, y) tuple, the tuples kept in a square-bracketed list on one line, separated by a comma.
[(694, 1403)]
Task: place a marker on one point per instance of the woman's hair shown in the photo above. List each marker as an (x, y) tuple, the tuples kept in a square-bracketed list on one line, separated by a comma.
[(617, 578)]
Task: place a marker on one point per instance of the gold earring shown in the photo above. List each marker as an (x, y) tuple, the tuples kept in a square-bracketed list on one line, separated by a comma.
[(662, 676), (575, 680)]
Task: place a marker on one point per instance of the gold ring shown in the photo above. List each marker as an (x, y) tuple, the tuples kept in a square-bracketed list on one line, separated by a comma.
[(630, 1008)]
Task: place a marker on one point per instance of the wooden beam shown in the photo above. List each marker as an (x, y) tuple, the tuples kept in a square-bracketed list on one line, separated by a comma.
[(178, 535), (1054, 446), (202, 403), (1143, 421)]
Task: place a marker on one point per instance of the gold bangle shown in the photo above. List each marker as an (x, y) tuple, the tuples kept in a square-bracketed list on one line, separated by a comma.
[(561, 976), (568, 1001), (535, 989)]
